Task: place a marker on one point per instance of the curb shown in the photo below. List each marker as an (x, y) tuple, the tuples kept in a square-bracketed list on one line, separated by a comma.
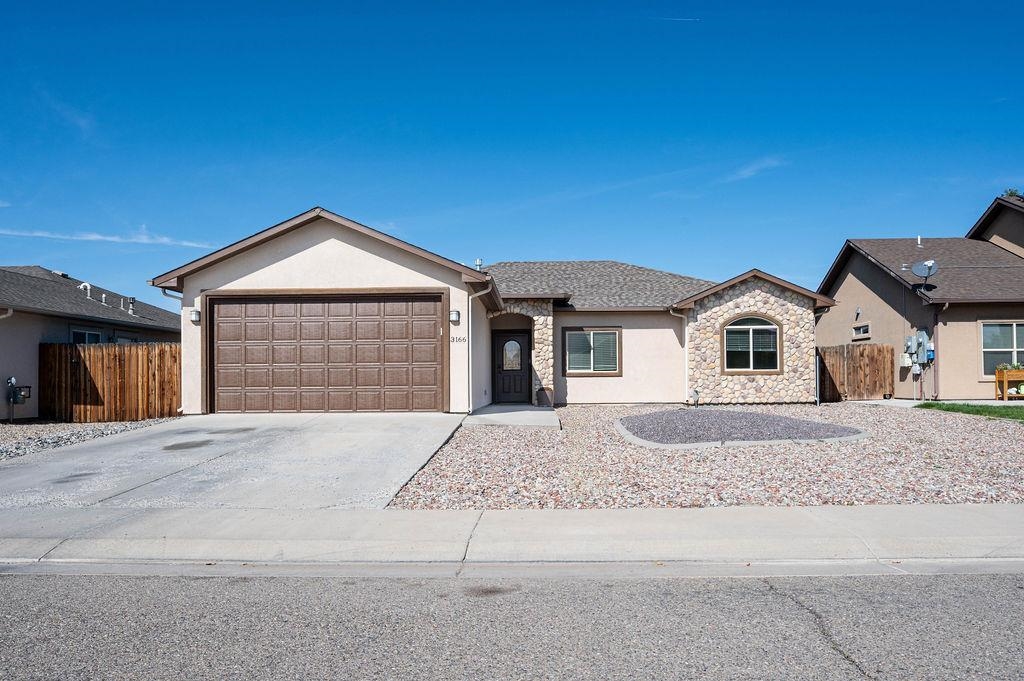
[(713, 444)]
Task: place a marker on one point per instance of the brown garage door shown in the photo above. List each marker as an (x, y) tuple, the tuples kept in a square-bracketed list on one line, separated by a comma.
[(352, 353)]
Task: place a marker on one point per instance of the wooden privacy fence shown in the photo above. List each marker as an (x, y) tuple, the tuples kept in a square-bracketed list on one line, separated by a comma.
[(856, 372), (108, 381)]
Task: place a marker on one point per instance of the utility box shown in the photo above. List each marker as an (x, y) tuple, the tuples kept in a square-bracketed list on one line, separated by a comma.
[(19, 393)]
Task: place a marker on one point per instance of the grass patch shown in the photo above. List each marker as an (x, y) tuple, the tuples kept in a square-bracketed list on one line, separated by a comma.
[(989, 410)]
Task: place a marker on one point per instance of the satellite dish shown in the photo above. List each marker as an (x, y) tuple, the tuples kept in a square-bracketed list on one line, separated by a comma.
[(925, 269)]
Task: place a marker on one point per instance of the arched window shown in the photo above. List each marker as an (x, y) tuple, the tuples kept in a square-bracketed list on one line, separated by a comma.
[(512, 356), (752, 344)]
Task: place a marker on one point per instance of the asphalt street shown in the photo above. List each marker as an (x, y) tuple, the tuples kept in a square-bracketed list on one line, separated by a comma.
[(159, 627)]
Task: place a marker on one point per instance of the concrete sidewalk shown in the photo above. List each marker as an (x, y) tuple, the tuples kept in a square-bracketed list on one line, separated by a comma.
[(876, 538)]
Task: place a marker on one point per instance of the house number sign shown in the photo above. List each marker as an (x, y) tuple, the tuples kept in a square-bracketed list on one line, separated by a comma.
[(458, 339)]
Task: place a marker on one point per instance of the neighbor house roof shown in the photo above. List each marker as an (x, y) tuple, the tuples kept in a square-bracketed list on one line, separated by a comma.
[(970, 271), (31, 288), (819, 300), (997, 206), (594, 284), (172, 279)]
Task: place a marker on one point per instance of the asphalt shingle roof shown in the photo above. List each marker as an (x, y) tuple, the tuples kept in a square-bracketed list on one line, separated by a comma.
[(37, 289), (594, 284), (969, 269)]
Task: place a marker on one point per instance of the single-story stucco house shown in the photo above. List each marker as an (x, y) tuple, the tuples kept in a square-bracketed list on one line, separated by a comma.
[(321, 313), (39, 305), (971, 310)]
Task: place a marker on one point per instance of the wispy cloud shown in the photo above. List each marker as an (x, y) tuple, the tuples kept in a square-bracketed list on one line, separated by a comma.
[(754, 168), (70, 115), (142, 236), (5, 204)]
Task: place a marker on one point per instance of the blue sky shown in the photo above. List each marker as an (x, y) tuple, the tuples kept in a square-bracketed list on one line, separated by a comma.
[(688, 137)]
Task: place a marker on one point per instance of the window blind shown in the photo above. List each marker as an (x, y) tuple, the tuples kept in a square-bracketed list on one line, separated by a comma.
[(578, 350), (737, 340), (606, 351)]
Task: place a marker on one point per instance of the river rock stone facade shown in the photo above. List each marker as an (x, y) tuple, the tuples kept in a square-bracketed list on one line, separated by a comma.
[(756, 297), (543, 356)]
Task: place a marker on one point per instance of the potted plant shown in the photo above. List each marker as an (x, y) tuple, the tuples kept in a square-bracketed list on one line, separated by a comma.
[(1005, 374)]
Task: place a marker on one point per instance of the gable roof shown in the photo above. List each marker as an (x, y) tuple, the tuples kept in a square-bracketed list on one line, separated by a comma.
[(970, 271), (997, 206), (32, 288), (593, 284), (819, 300), (172, 280)]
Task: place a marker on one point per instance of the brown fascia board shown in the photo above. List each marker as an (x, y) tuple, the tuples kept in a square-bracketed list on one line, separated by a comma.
[(990, 214), (820, 300), (172, 279), (539, 296), (644, 308)]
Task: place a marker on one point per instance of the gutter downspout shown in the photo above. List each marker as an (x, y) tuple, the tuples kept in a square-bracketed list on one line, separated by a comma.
[(935, 342), (686, 351), (171, 295), (469, 343), (5, 315)]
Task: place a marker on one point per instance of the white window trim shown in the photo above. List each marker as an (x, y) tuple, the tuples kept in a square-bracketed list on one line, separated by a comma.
[(750, 335), (981, 343), (617, 371)]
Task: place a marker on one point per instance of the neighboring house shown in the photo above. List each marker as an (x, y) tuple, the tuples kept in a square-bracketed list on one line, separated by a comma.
[(972, 309), (320, 313), (38, 305)]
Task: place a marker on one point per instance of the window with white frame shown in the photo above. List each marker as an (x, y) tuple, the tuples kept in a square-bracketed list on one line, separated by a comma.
[(751, 344), (1001, 343), (861, 331), (593, 352), (85, 337)]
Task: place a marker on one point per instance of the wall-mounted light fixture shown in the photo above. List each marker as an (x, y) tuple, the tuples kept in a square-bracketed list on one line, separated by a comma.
[(858, 313), (454, 316), (194, 315)]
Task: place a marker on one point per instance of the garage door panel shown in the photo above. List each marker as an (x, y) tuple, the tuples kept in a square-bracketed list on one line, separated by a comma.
[(340, 354), (424, 329), (284, 332), (368, 330), (284, 377), (423, 353), (257, 378), (229, 331), (397, 353), (230, 377), (255, 354), (284, 354), (397, 377), (257, 331), (313, 378), (368, 377), (341, 377), (340, 330), (317, 353), (369, 401), (311, 331)]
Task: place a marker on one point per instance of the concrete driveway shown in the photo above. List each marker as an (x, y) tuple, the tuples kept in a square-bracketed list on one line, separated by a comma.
[(267, 461)]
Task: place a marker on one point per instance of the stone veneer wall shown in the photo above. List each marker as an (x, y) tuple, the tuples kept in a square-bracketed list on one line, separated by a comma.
[(793, 311), (543, 355)]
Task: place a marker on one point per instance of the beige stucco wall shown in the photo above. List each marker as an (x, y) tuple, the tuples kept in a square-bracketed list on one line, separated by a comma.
[(893, 311), (795, 313), (653, 361), (958, 349), (481, 351), (323, 255), (20, 336), (1007, 231)]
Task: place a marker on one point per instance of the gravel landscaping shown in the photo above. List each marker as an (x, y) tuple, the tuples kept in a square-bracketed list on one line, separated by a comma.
[(911, 456), (708, 425), (19, 439)]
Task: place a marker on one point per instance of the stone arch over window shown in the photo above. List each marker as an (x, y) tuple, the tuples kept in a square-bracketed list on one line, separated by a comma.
[(752, 344)]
